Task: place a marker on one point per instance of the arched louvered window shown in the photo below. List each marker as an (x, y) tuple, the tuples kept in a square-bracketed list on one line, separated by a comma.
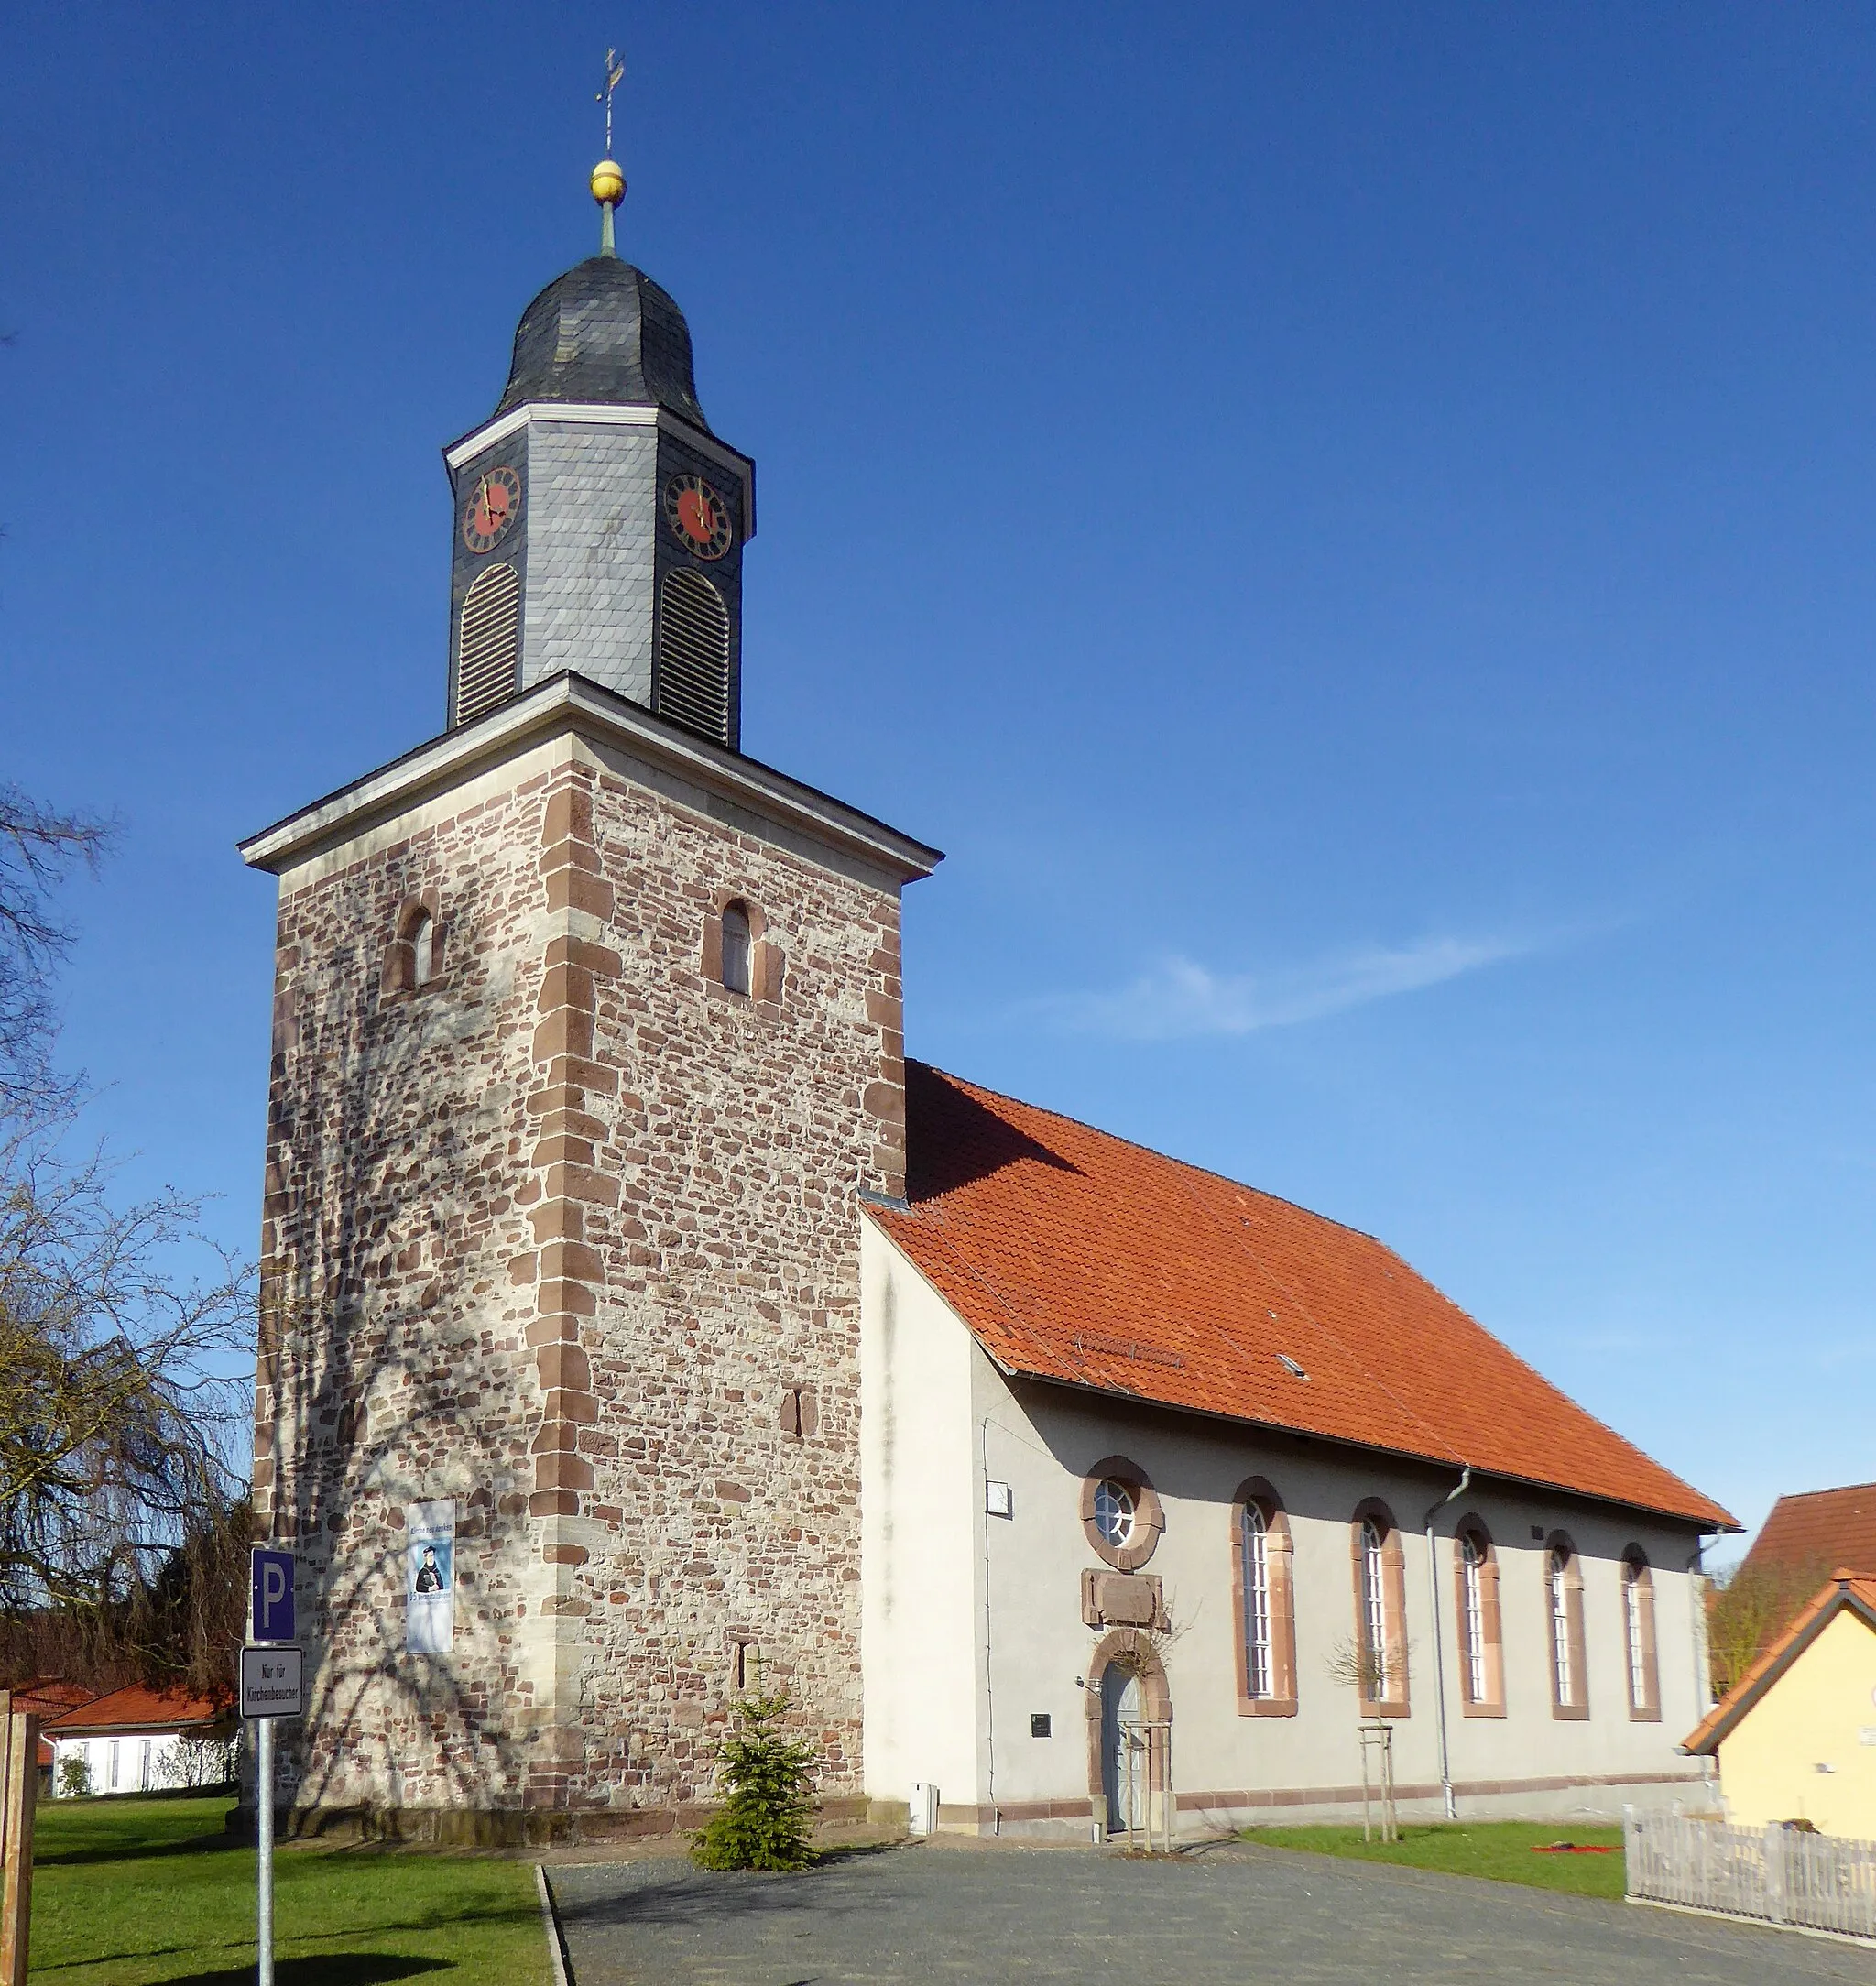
[(693, 654), (490, 646)]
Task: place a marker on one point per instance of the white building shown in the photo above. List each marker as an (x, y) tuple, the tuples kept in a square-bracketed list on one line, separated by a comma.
[(1153, 1465), (136, 1741)]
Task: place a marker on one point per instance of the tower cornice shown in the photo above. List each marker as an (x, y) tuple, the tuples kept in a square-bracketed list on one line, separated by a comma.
[(565, 703), (575, 413)]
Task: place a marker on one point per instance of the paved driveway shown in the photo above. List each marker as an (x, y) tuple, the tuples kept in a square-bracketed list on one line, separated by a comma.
[(1236, 1914)]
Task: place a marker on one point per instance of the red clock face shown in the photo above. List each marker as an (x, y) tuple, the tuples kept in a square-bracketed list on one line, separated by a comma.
[(699, 516), (495, 503)]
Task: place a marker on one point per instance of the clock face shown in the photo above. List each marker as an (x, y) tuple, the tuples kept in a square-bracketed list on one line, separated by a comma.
[(495, 503), (699, 516)]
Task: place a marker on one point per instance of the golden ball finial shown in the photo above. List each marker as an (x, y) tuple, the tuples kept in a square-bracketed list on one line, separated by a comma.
[(609, 184)]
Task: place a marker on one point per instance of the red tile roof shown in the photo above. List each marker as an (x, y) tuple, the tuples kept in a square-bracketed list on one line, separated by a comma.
[(1844, 1588), (1818, 1528), (1075, 1256), (137, 1708), (48, 1697)]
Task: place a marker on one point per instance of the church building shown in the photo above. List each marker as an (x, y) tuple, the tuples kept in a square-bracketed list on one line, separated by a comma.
[(641, 1331)]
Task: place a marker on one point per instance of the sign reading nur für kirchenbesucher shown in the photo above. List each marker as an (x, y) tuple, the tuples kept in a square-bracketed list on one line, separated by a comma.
[(272, 1683)]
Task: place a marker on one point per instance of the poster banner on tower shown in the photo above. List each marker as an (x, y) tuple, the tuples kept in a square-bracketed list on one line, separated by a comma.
[(430, 1577)]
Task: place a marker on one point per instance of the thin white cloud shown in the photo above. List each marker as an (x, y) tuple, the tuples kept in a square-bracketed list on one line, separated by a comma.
[(1178, 997)]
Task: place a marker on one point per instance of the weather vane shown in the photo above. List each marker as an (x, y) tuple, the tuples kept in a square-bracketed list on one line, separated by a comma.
[(614, 75), (608, 182)]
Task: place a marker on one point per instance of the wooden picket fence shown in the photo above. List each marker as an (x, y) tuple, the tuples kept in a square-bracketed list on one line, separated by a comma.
[(1775, 1875), (19, 1793)]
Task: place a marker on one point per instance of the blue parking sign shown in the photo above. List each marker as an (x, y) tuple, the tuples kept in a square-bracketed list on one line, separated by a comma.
[(273, 1595)]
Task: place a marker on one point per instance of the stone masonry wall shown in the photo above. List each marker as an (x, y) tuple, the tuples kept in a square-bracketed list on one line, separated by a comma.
[(571, 1235)]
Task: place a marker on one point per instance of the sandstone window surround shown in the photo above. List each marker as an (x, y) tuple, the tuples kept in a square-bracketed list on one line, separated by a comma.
[(740, 959), (1481, 1639), (1562, 1596), (1264, 1602), (1380, 1610), (1120, 1512), (1638, 1621), (414, 957)]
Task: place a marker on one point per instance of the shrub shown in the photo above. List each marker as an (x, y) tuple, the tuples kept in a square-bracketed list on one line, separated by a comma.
[(764, 1823), (1750, 1606), (74, 1777)]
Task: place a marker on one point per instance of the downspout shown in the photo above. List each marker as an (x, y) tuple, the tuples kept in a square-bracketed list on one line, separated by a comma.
[(1439, 1664)]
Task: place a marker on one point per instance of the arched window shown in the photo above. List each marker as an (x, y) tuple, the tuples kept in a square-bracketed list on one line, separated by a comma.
[(1481, 1650), (1638, 1621), (1255, 1545), (1380, 1612), (423, 950), (414, 957), (1374, 1611), (735, 948), (1472, 1614), (1265, 1603), (1563, 1589)]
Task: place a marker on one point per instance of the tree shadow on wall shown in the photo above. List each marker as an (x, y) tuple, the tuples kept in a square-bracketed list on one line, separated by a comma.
[(374, 1094)]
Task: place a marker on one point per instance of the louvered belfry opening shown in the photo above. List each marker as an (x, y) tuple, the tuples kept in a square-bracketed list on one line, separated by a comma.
[(693, 654), (489, 651)]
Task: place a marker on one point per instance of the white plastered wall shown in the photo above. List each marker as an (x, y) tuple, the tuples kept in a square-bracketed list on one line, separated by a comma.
[(952, 1682), (921, 1652)]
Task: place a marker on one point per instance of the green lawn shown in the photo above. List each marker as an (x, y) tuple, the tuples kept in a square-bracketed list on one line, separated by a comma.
[(131, 1892), (1499, 1851)]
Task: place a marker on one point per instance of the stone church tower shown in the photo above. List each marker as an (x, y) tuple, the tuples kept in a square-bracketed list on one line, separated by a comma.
[(586, 1050)]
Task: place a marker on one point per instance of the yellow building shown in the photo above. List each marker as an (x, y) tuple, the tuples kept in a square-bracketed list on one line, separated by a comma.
[(1796, 1737)]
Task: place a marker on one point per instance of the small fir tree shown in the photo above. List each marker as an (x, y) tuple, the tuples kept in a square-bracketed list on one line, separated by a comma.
[(765, 1821)]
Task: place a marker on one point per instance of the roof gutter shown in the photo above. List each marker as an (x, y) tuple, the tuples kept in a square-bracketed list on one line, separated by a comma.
[(1439, 1665)]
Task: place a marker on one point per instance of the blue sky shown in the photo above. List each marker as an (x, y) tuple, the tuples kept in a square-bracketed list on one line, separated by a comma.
[(1350, 524)]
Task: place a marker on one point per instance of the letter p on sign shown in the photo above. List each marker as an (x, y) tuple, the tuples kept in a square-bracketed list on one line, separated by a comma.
[(273, 1596)]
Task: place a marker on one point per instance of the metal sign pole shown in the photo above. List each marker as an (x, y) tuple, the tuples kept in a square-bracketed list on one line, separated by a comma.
[(272, 1684), (263, 1826)]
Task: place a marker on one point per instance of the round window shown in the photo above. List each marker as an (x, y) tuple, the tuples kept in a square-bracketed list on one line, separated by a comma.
[(1114, 1511)]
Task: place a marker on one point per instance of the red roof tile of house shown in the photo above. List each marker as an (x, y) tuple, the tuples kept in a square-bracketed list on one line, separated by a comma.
[(1818, 1528), (1843, 1588), (138, 1709), (46, 1698), (49, 1696), (1077, 1256)]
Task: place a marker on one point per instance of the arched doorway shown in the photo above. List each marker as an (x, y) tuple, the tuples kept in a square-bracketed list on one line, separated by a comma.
[(1123, 1778), (1129, 1709)]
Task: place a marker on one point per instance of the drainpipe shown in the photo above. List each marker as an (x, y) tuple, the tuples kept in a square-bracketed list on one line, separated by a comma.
[(1439, 1665)]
